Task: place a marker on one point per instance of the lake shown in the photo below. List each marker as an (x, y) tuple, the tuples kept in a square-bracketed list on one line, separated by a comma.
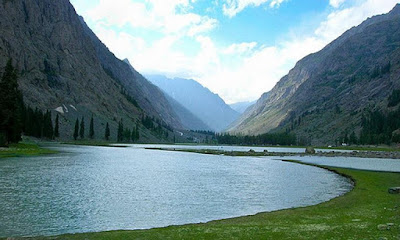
[(86, 189)]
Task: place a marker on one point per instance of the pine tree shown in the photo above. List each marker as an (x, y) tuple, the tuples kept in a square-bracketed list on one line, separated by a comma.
[(56, 128), (127, 134), (82, 129), (76, 129), (107, 132), (133, 134), (11, 103), (137, 133), (47, 125), (91, 129), (120, 133)]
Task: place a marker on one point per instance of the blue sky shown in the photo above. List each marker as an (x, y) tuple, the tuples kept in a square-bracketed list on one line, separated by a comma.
[(237, 48)]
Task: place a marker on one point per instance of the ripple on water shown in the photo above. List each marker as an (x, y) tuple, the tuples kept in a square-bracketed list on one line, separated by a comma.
[(98, 189)]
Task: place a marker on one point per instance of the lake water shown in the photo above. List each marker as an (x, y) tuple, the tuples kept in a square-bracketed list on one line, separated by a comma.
[(373, 164), (88, 189)]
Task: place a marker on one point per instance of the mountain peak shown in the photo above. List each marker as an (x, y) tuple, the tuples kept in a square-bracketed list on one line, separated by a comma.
[(212, 109), (395, 10), (326, 94)]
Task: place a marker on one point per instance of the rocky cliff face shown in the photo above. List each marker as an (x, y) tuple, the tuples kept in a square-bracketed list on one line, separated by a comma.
[(64, 66), (329, 90)]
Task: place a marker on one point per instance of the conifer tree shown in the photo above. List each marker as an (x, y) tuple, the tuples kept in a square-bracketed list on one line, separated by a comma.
[(107, 132), (76, 129), (137, 133), (47, 125), (120, 132), (11, 103), (82, 129), (133, 134), (56, 128), (91, 129)]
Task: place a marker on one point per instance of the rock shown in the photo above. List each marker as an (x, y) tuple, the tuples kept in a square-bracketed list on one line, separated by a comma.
[(394, 190), (310, 150), (382, 227)]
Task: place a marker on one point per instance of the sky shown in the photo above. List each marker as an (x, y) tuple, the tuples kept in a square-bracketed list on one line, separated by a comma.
[(238, 49)]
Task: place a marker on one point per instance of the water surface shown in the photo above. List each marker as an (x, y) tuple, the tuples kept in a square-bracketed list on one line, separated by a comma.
[(101, 188), (372, 164)]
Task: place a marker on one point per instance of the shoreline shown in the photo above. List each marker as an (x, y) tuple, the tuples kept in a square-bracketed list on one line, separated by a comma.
[(267, 222), (359, 154), (25, 149)]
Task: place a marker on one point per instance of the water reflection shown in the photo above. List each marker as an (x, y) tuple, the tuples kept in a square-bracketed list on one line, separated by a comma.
[(99, 188)]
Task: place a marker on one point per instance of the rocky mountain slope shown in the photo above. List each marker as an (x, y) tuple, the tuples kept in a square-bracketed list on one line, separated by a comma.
[(64, 66), (326, 94), (189, 120), (200, 101)]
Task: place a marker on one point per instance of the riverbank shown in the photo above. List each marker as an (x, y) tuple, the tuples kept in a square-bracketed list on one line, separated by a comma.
[(24, 149), (367, 212), (359, 154)]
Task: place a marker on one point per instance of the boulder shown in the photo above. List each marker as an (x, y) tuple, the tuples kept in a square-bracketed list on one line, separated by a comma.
[(310, 150), (394, 190)]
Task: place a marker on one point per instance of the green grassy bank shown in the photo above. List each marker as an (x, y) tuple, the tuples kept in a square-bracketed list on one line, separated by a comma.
[(363, 213), (24, 149)]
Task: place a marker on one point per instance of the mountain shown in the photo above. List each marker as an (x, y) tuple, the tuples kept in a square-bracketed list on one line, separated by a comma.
[(63, 66), (204, 104), (328, 94), (241, 107), (189, 120)]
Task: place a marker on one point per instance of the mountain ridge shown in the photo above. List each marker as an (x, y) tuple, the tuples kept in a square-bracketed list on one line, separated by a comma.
[(331, 77), (64, 66), (189, 120), (206, 105)]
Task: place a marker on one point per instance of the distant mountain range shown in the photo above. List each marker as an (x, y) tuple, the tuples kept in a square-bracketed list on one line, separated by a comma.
[(241, 107), (189, 120), (65, 68), (328, 94), (200, 101)]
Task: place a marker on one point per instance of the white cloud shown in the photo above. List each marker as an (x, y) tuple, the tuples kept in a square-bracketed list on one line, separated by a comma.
[(336, 3), (166, 16), (239, 48), (237, 72), (263, 68), (233, 7)]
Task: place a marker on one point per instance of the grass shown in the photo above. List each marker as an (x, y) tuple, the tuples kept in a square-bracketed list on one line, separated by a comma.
[(24, 149), (366, 148), (94, 143), (356, 215)]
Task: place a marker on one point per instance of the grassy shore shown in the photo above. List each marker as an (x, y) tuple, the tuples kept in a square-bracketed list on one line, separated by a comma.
[(366, 148), (367, 212), (24, 149)]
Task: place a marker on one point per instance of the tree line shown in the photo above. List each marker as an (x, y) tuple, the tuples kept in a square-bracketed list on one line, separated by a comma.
[(16, 118), (157, 126), (263, 139), (11, 103), (126, 134)]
